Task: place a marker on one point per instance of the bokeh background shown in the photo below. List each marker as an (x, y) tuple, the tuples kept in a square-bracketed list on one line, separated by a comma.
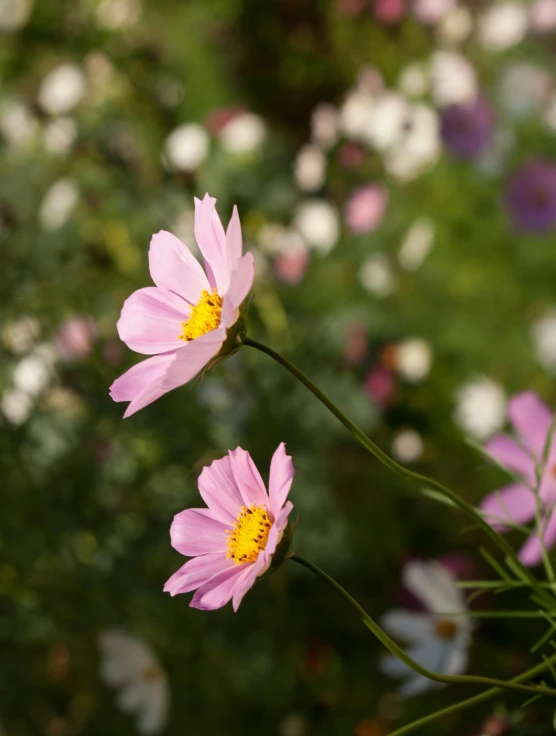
[(394, 166)]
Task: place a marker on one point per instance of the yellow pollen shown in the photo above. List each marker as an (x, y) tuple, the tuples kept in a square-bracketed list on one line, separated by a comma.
[(204, 317), (446, 629), (249, 535)]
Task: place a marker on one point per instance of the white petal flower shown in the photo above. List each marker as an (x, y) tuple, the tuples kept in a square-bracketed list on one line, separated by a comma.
[(14, 14), (310, 168), (413, 359), (18, 126), (243, 134), (35, 371), (187, 147), (543, 333), (480, 407), (116, 14), (20, 335), (414, 80), (436, 639), (388, 121), (407, 446), (453, 79), (455, 26), (16, 405), (59, 135), (376, 276), (129, 664), (432, 11), (62, 89), (355, 114), (419, 148), (318, 224), (58, 204), (503, 25), (416, 244), (324, 125)]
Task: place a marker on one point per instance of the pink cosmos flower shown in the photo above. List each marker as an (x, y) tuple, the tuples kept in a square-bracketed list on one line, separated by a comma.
[(515, 503), (231, 542), (365, 208), (182, 321)]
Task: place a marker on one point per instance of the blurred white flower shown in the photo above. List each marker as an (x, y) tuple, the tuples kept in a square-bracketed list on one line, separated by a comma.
[(184, 229), (543, 15), (355, 114), (492, 162), (62, 89), (543, 332), (18, 126), (324, 125), (414, 80), (413, 359), (14, 14), (419, 148), (318, 224), (407, 446), (524, 88), (310, 168), (16, 405), (59, 135), (388, 120), (20, 335), (480, 407), (431, 11), (376, 276), (58, 204), (416, 244), (117, 14), (437, 641), (187, 147), (243, 134), (503, 25), (455, 26), (35, 371), (453, 79), (130, 665)]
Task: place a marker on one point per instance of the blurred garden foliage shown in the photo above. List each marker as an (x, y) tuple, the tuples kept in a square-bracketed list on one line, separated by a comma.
[(374, 152)]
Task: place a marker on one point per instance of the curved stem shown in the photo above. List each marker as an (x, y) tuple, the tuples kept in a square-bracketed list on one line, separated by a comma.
[(408, 475), (383, 637)]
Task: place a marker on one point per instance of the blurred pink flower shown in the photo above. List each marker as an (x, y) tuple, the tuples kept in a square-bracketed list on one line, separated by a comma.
[(365, 208), (218, 118), (350, 155), (76, 336), (516, 502), (389, 11), (183, 320), (380, 385), (431, 11), (232, 542), (356, 345), (291, 265)]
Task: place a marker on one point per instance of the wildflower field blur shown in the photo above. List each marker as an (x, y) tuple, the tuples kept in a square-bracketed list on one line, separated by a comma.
[(393, 163)]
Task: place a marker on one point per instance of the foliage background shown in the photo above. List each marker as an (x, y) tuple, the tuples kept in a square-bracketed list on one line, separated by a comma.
[(87, 498)]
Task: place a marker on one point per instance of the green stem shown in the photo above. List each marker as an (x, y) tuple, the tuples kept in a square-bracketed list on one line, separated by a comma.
[(383, 637), (408, 475)]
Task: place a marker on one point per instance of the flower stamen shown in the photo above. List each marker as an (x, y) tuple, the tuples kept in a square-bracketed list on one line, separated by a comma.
[(204, 317), (446, 629), (249, 535)]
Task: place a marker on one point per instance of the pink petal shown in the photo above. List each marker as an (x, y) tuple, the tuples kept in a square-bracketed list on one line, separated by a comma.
[(217, 591), (149, 395), (508, 454), (174, 268), (219, 490), (248, 478), (530, 554), (196, 532), (246, 581), (514, 503), (193, 357), (280, 480), (151, 319), (275, 534), (241, 279), (211, 239), (234, 240), (197, 572), (128, 386), (532, 419)]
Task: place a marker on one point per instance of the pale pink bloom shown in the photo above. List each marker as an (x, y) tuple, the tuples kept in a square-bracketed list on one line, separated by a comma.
[(291, 265), (431, 11), (76, 337), (543, 15), (365, 208), (380, 385), (390, 11), (183, 320), (232, 542), (516, 502)]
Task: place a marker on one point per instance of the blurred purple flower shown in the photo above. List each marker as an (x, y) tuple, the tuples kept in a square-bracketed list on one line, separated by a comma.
[(531, 196), (365, 208), (467, 128)]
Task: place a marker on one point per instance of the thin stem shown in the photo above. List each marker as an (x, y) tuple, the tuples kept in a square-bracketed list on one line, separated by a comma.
[(469, 702), (404, 472), (383, 637)]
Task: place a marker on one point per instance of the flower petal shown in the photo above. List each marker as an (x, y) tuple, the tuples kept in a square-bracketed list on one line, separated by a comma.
[(514, 503), (532, 419), (248, 478), (246, 581), (276, 533), (509, 455), (134, 381), (531, 554), (219, 490), (407, 626), (193, 357), (280, 480), (196, 532), (151, 319), (175, 268), (196, 572), (234, 239), (434, 585), (218, 590), (211, 239), (241, 279)]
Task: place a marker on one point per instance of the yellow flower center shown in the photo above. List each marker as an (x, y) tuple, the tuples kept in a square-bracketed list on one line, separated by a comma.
[(249, 535), (204, 317), (446, 629)]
